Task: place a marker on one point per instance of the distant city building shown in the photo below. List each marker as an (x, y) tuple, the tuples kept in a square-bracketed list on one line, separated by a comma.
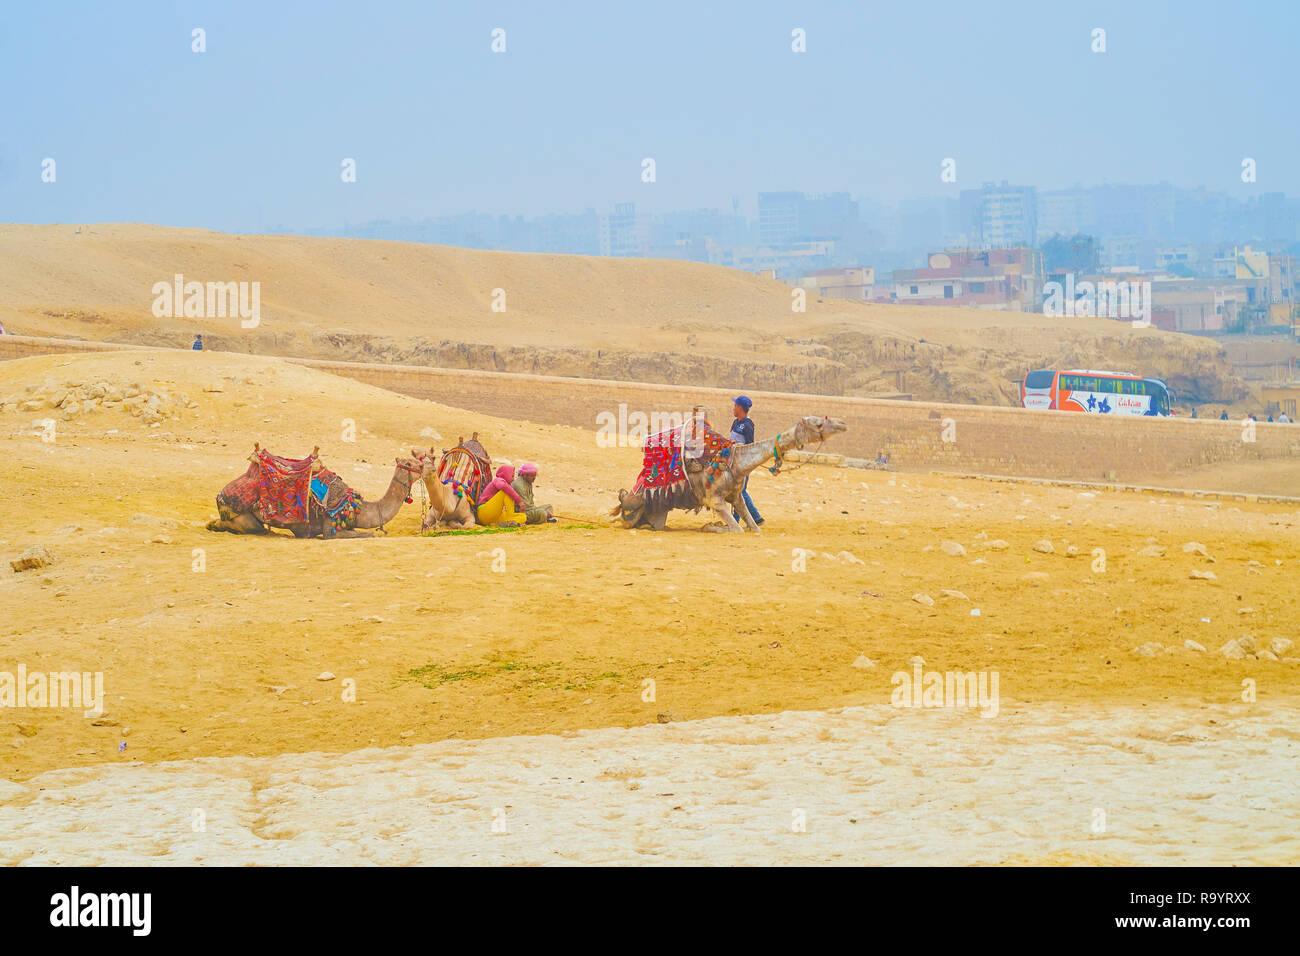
[(790, 218), (787, 263), (1008, 279), (1195, 305), (623, 233), (1000, 216), (1269, 283), (853, 283), (1065, 212)]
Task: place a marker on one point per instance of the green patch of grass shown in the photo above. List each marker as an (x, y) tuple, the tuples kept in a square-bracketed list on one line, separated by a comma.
[(587, 682), (489, 529), (429, 672)]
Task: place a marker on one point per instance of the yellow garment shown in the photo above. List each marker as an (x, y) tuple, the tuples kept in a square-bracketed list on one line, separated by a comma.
[(498, 509)]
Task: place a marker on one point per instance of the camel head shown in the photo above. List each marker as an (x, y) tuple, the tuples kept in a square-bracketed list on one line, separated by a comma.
[(629, 507), (428, 462), (408, 472), (817, 428)]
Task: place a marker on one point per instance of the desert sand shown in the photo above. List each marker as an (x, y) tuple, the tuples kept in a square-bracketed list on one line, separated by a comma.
[(213, 649), (1045, 784), (633, 319)]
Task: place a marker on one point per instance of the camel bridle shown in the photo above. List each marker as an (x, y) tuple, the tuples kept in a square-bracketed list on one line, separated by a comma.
[(776, 446)]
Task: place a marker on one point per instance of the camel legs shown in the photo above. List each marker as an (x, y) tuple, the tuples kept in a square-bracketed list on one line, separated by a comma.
[(238, 524), (740, 507), (723, 511)]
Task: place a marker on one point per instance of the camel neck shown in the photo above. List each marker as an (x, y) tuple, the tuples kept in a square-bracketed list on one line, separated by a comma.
[(746, 458), (395, 496)]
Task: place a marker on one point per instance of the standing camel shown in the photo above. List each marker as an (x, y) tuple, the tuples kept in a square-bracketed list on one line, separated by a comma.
[(718, 484)]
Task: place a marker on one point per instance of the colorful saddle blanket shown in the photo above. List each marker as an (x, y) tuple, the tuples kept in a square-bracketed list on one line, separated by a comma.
[(333, 504), (467, 468), (286, 491), (663, 478)]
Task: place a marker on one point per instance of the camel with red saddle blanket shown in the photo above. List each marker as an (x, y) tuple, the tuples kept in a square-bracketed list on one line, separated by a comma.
[(301, 495), (669, 480)]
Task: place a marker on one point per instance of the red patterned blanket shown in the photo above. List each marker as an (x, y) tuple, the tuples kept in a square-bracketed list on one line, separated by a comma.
[(663, 478), (286, 491)]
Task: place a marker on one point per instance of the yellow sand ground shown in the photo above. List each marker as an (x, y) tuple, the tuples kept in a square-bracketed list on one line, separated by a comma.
[(225, 660)]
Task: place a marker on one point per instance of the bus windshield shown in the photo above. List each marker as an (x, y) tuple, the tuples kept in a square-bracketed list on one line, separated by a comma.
[(1159, 396)]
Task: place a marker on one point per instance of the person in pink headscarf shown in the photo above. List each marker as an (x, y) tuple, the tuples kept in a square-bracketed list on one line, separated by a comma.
[(497, 503), (523, 484)]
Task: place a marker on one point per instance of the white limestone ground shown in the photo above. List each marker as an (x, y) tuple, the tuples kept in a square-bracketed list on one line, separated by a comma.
[(1217, 784)]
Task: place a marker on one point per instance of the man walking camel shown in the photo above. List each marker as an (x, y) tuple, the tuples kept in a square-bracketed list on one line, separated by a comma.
[(742, 432)]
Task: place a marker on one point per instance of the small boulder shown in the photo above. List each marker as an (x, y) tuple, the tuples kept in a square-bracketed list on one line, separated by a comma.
[(1150, 649), (1232, 651), (1191, 645), (923, 599), (952, 548), (1044, 547), (1199, 575), (864, 662), (1281, 646), (37, 556), (1195, 547), (1152, 551)]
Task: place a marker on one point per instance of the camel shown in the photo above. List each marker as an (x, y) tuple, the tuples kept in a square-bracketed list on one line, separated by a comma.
[(722, 494), (370, 514), (446, 508)]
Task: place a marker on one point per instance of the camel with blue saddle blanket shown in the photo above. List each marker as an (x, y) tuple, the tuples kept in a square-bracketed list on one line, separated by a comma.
[(304, 497)]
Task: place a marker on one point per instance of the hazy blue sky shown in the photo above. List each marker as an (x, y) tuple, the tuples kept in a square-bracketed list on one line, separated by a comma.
[(251, 133)]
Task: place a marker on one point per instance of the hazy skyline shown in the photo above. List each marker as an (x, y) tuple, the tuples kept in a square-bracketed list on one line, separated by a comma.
[(252, 132)]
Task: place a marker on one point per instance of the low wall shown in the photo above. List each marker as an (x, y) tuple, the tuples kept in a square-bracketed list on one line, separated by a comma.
[(956, 438)]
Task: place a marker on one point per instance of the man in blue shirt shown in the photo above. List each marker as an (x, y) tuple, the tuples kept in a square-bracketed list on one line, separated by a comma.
[(742, 432), (198, 344)]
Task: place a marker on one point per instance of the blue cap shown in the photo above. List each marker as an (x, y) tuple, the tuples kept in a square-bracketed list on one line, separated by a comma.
[(743, 401)]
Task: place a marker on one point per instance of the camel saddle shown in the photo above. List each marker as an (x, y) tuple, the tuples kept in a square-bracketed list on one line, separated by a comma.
[(663, 479), (467, 467), (285, 491)]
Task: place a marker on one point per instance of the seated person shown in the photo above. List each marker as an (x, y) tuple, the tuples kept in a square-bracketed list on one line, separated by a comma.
[(498, 502), (523, 485)]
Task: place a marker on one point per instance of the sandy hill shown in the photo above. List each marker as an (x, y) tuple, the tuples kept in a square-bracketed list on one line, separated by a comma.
[(643, 320)]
